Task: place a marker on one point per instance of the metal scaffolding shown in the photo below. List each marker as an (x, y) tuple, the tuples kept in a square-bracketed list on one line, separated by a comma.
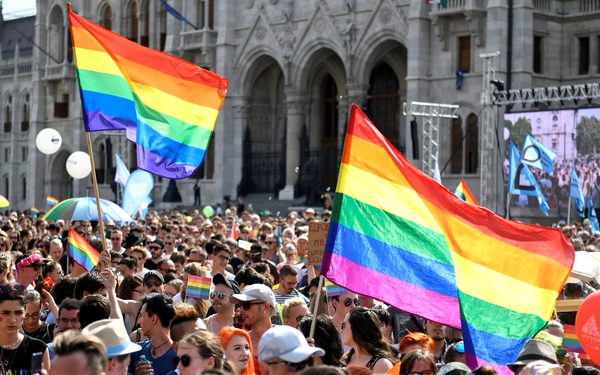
[(488, 163), (547, 95), (432, 113)]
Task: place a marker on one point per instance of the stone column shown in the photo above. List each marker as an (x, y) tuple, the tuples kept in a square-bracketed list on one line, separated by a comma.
[(296, 108), (234, 154)]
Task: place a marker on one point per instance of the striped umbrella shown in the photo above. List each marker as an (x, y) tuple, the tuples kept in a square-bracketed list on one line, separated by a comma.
[(85, 209), (3, 201)]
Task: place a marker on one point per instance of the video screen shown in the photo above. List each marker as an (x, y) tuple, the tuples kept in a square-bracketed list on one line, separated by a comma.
[(574, 134)]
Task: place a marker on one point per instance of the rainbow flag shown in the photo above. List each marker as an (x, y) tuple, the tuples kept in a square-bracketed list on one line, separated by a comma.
[(34, 210), (51, 201), (398, 236), (571, 342), (198, 287), (463, 192), (82, 252), (167, 106), (333, 290)]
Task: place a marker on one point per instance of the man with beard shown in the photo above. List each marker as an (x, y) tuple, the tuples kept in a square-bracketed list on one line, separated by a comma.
[(225, 286), (438, 333)]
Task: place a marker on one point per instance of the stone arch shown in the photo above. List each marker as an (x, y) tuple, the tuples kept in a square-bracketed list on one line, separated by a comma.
[(382, 45), (310, 55), (56, 33), (105, 15), (60, 182), (257, 59)]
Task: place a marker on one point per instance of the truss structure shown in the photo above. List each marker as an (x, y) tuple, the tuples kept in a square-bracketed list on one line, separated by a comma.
[(547, 95), (432, 113)]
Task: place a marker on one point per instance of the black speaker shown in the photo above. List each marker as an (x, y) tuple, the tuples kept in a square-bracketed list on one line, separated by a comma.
[(414, 135)]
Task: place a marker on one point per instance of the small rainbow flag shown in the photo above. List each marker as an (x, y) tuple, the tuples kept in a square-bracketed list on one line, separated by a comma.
[(571, 342), (51, 201), (333, 290), (34, 210), (463, 192), (82, 252), (198, 287)]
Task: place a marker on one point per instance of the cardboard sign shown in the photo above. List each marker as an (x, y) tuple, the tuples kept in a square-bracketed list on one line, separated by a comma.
[(317, 236)]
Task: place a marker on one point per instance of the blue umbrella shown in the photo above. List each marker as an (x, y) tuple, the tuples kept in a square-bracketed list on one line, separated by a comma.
[(85, 209)]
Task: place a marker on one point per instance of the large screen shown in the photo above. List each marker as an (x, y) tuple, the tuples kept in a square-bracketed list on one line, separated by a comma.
[(574, 134)]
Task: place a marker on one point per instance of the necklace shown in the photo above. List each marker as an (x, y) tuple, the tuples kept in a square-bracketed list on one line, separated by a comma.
[(154, 348), (11, 344)]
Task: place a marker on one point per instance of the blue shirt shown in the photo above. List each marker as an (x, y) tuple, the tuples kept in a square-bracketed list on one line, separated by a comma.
[(161, 365)]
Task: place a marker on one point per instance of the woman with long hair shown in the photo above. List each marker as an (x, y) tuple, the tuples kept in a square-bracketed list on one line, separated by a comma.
[(238, 349), (360, 331), (131, 289), (326, 337), (418, 361), (199, 351)]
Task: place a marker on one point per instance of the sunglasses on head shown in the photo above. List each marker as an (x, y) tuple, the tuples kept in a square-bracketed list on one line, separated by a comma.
[(247, 305), (349, 301), (18, 289), (185, 360), (294, 367)]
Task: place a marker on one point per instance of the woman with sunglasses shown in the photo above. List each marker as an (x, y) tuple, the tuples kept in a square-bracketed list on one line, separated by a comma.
[(199, 351), (16, 349), (238, 349), (360, 331), (131, 288), (418, 362)]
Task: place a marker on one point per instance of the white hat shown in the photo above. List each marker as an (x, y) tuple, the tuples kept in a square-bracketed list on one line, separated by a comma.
[(286, 343), (113, 334), (256, 292)]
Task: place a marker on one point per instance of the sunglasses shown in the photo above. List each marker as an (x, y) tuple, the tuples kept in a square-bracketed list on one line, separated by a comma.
[(18, 289), (246, 305), (293, 367), (348, 302), (167, 270), (185, 360), (221, 295), (115, 239), (154, 248)]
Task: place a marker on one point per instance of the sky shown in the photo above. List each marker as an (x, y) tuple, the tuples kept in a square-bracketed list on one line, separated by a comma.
[(17, 8)]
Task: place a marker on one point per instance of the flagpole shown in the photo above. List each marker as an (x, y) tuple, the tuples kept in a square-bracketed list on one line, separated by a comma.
[(317, 301), (569, 212), (508, 205), (88, 139)]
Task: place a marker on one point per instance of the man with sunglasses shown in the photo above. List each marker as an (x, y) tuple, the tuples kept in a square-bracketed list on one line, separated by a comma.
[(156, 249), (225, 286), (28, 268), (283, 350), (154, 282), (257, 305), (342, 305)]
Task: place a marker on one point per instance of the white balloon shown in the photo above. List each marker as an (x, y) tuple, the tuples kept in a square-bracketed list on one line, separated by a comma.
[(506, 134), (48, 141), (78, 165)]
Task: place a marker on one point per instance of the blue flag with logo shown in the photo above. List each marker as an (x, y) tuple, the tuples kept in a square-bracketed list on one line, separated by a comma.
[(176, 14), (537, 155), (122, 174), (137, 191), (518, 182), (592, 216), (576, 192)]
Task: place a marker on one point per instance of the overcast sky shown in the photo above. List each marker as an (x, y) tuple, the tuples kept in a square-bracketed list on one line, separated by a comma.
[(17, 8)]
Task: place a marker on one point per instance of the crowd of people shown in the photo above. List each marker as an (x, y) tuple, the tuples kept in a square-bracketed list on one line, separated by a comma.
[(264, 314)]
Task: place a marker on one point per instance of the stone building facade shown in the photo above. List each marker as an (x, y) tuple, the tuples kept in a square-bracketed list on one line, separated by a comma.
[(294, 68)]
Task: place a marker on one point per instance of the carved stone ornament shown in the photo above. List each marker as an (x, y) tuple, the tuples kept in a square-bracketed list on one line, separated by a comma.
[(440, 29), (385, 15), (260, 32)]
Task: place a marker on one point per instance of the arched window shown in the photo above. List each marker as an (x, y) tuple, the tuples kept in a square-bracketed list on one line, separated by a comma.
[(23, 187), (383, 105), (8, 114), (106, 17), (132, 21), (205, 14), (145, 14), (100, 159), (25, 113), (329, 108), (456, 143), (472, 144), (56, 34), (162, 20), (6, 186)]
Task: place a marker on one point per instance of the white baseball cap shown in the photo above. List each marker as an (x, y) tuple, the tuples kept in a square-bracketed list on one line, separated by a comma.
[(286, 343), (255, 292)]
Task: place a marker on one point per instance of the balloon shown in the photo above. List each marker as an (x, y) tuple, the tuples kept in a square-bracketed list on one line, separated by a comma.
[(48, 141), (506, 134), (587, 327), (78, 165), (208, 212)]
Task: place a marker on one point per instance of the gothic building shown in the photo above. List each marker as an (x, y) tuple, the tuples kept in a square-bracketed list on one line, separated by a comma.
[(294, 68)]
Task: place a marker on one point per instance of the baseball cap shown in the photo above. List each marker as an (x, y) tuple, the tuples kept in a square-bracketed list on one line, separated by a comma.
[(255, 292), (113, 334), (154, 273), (229, 281), (453, 367), (157, 242), (286, 343)]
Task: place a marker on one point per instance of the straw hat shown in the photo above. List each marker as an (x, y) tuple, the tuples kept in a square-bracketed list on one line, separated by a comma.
[(113, 334)]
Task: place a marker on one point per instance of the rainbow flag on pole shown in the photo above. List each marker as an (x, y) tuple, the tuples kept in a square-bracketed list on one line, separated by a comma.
[(51, 201), (463, 192), (167, 106), (399, 237), (82, 252), (333, 290), (571, 342), (198, 287)]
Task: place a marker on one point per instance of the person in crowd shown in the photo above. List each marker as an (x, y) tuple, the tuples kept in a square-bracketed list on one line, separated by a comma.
[(51, 272), (199, 351), (166, 267), (6, 263), (455, 353), (327, 337), (416, 340), (294, 309), (93, 307), (155, 321), (154, 282), (385, 326), (131, 289), (116, 241), (360, 331), (32, 325), (140, 255), (127, 266), (79, 354), (156, 249), (173, 287), (225, 287), (114, 336), (288, 280), (56, 250), (186, 320), (419, 361), (257, 306), (17, 349), (89, 283), (28, 268), (68, 316), (283, 350), (535, 351), (238, 349), (438, 333), (342, 305), (221, 257)]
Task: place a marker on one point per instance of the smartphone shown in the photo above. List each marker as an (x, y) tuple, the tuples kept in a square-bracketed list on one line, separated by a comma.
[(36, 363)]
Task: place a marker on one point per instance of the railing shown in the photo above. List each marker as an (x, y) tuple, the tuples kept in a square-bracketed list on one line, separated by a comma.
[(589, 5), (59, 71), (542, 5)]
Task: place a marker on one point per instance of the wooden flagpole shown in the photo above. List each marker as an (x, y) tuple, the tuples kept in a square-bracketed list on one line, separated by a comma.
[(315, 311), (97, 195)]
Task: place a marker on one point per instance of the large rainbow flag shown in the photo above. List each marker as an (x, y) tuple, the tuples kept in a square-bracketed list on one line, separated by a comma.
[(166, 105), (417, 246), (463, 192), (81, 251)]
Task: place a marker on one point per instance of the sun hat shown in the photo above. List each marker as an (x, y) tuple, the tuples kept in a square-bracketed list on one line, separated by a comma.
[(535, 350), (113, 334)]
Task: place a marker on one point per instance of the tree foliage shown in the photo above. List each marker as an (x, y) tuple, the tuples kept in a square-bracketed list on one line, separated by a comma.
[(518, 130), (588, 135)]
